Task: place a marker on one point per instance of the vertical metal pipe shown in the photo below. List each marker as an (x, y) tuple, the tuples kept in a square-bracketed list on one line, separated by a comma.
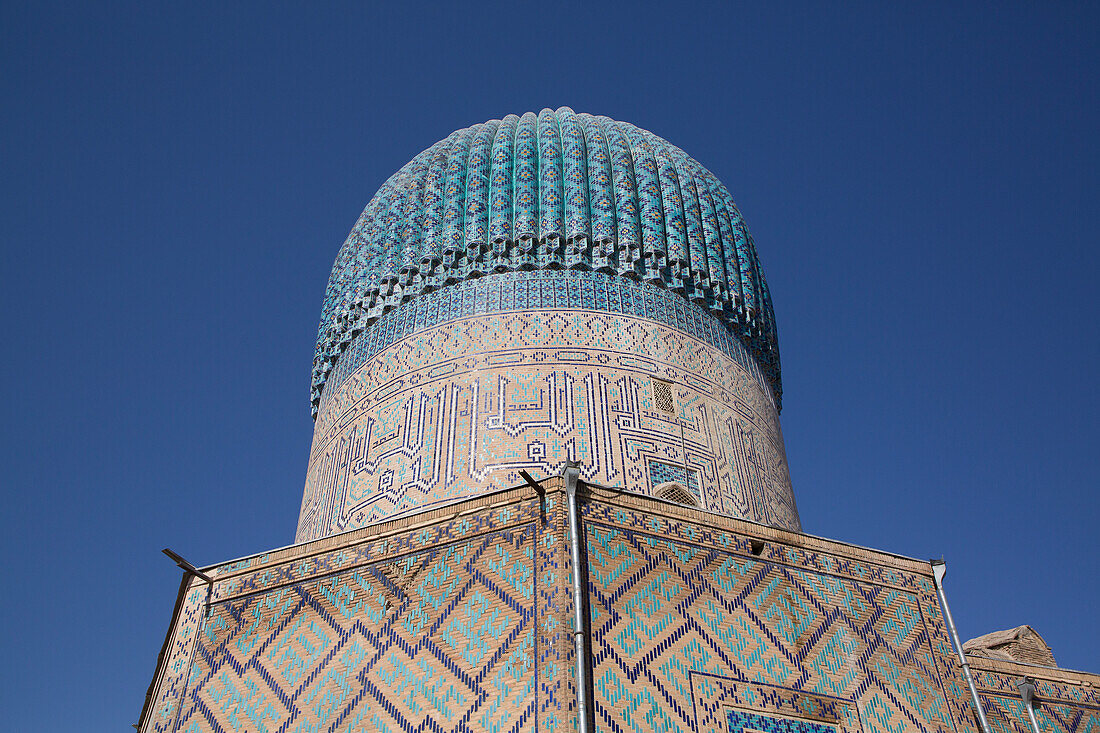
[(1031, 715), (580, 598), (939, 568), (1026, 687), (684, 454)]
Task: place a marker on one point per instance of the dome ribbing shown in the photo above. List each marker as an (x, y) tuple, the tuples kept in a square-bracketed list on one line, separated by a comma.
[(557, 190)]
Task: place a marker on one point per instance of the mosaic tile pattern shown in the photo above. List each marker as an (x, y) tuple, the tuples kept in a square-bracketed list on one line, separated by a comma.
[(715, 698), (661, 472), (556, 190), (176, 672), (743, 721), (458, 409), (402, 633), (1063, 707), (460, 620), (1006, 714), (546, 290), (672, 599)]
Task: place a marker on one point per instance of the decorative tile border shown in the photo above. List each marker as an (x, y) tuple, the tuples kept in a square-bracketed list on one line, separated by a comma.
[(717, 699), (541, 290)]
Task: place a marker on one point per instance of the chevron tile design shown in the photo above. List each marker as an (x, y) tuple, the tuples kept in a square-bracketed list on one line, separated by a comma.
[(461, 621), (1063, 707), (437, 638), (671, 601)]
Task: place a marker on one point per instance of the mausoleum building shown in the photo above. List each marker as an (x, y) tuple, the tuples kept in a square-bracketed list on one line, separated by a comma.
[(548, 489)]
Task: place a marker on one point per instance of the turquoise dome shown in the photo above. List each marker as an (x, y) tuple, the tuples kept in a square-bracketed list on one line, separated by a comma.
[(556, 190)]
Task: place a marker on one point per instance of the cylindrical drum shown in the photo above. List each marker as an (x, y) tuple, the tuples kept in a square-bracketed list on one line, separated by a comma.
[(542, 289), (451, 395)]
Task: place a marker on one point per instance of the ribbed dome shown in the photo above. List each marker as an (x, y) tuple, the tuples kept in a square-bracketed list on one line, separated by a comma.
[(546, 191)]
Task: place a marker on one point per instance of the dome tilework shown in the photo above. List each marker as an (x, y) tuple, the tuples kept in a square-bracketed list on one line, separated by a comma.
[(556, 190)]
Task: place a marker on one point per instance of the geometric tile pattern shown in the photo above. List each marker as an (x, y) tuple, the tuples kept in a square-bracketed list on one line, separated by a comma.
[(660, 473), (672, 600), (724, 704), (539, 290), (459, 619), (552, 191), (743, 721), (447, 627), (1061, 706), (457, 410), (1006, 714)]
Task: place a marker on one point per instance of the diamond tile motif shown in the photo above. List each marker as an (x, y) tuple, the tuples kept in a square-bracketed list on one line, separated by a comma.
[(438, 639), (673, 600), (461, 621)]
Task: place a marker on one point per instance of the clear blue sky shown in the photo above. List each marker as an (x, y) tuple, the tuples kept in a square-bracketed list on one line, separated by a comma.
[(922, 184)]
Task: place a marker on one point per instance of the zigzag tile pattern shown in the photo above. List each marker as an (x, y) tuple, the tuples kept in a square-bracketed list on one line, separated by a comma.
[(449, 627), (556, 190), (1063, 707), (672, 600)]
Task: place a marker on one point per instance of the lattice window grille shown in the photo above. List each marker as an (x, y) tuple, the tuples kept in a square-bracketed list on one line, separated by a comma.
[(677, 494), (662, 397)]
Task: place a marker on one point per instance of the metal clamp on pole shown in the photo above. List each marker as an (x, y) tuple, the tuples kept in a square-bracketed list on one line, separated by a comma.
[(192, 570), (1026, 686), (188, 567), (539, 489), (939, 568)]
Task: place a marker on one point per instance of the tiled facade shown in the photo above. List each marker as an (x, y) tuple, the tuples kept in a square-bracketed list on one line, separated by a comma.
[(450, 621), (679, 595), (459, 619), (532, 293), (452, 395), (1068, 700)]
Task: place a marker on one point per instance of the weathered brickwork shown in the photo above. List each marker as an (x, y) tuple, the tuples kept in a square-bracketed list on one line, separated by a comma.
[(1067, 701), (458, 409)]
